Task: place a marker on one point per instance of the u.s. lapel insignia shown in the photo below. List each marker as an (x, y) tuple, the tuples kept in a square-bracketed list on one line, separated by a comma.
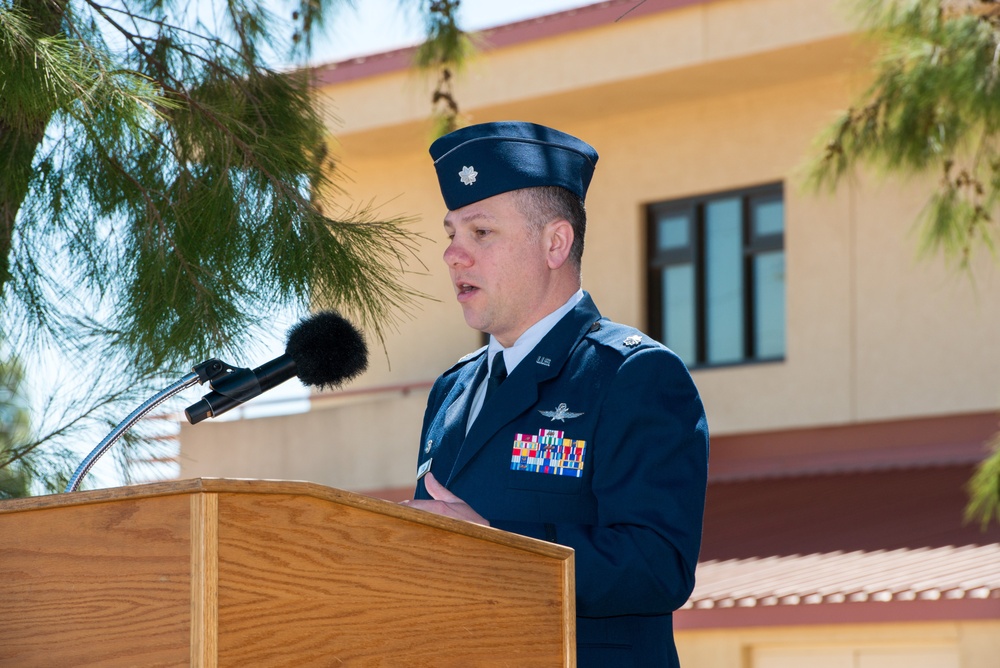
[(468, 175), (544, 361), (560, 413), (632, 341)]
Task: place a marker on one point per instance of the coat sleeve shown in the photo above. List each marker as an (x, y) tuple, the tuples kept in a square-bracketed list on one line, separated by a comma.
[(649, 477)]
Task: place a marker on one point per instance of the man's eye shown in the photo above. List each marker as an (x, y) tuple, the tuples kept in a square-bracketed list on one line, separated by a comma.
[(482, 233)]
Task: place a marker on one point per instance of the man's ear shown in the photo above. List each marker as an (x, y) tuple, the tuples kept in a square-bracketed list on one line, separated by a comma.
[(558, 242)]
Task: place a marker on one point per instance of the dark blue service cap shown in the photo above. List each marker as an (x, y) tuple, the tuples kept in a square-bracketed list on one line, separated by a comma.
[(484, 160)]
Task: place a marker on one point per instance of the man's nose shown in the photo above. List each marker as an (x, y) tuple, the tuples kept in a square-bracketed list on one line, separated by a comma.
[(456, 256)]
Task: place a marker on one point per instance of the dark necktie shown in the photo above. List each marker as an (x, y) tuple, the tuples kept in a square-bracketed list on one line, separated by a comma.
[(498, 372)]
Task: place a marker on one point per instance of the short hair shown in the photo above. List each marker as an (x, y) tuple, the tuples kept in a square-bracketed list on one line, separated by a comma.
[(543, 204)]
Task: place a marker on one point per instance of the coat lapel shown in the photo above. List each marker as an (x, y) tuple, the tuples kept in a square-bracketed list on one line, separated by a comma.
[(456, 416), (519, 392)]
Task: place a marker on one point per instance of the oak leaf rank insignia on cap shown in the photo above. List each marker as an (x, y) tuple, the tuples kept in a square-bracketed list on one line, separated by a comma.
[(515, 155), (468, 175)]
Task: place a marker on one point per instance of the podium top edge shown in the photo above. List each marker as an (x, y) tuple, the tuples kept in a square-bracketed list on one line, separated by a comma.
[(287, 487)]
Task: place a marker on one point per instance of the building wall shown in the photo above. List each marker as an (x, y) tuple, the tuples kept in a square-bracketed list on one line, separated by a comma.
[(705, 97), (953, 644), (366, 444)]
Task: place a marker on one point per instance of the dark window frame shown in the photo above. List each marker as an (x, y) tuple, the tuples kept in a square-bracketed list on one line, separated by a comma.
[(693, 208)]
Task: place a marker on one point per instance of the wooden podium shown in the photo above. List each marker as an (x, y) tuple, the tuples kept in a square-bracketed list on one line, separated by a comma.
[(212, 572)]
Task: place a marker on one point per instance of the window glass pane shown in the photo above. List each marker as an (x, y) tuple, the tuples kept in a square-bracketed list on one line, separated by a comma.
[(718, 269), (672, 231), (769, 304), (724, 281), (678, 311), (767, 216)]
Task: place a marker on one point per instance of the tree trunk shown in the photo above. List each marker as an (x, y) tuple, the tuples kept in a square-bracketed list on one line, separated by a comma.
[(21, 134)]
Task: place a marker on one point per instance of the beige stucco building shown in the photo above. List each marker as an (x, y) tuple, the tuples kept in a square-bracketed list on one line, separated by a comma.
[(883, 362)]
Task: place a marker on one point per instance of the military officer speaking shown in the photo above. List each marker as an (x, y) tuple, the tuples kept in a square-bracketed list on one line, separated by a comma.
[(567, 427)]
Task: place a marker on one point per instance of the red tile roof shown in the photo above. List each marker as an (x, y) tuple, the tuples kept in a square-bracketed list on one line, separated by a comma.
[(867, 546), (928, 574)]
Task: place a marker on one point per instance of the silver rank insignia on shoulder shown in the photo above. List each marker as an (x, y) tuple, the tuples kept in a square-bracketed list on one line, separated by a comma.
[(560, 413), (468, 175), (633, 341)]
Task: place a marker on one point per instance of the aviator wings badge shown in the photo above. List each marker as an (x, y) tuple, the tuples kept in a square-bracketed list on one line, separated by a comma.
[(560, 413)]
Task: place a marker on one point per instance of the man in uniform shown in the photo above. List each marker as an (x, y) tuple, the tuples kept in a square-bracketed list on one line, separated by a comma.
[(567, 427)]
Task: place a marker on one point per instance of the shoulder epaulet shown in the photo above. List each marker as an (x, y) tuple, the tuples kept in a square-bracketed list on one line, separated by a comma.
[(475, 354), (620, 337)]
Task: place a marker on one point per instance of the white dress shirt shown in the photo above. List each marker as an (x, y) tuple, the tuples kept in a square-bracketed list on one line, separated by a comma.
[(512, 356)]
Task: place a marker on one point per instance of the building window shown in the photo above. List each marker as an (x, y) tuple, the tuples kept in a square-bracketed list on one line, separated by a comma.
[(717, 276)]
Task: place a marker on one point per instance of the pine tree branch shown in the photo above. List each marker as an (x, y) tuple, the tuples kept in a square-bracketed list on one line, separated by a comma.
[(932, 105), (168, 194), (984, 488)]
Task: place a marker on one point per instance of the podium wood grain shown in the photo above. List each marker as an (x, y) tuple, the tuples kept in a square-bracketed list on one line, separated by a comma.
[(265, 573)]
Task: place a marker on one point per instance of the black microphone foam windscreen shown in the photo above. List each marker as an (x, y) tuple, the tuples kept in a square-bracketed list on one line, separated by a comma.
[(327, 350)]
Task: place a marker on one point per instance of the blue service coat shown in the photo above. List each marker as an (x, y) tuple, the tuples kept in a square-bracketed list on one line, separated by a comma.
[(618, 473)]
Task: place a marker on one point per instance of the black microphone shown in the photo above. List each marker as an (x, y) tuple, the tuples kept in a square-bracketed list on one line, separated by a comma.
[(323, 350)]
